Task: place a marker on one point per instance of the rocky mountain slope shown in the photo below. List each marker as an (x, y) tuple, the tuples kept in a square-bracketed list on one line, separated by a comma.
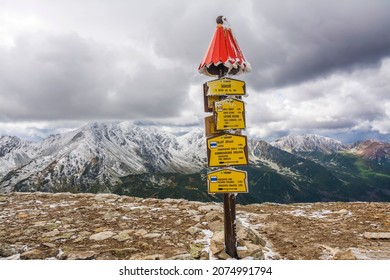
[(125, 158), (106, 226), (373, 150)]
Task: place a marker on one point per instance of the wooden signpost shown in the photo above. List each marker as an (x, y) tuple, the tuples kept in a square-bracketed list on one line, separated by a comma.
[(226, 146)]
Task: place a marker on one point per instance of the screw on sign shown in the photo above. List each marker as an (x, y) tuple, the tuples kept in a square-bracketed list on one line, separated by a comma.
[(224, 147)]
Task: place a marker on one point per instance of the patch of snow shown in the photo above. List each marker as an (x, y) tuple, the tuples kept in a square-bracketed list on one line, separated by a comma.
[(208, 234), (60, 253), (243, 219), (270, 254), (271, 164), (62, 204), (359, 254), (320, 214), (297, 213), (242, 248), (13, 257), (137, 207), (328, 252), (316, 214)]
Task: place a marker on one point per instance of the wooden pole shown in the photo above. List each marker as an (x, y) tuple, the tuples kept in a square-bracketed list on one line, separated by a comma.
[(229, 205)]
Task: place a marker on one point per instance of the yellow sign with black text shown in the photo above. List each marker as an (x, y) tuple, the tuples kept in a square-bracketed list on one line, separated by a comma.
[(227, 181), (225, 86), (229, 114), (227, 150)]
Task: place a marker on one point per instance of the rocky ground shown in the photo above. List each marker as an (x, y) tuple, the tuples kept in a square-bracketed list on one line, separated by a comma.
[(106, 226)]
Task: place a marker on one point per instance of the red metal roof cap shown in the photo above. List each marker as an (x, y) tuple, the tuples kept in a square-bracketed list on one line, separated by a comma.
[(223, 55)]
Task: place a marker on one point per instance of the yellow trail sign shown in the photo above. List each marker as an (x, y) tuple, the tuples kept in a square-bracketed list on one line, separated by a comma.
[(225, 86), (229, 114), (227, 150), (227, 181)]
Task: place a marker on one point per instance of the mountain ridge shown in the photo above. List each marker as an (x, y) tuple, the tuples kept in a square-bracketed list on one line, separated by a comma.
[(309, 143), (102, 157)]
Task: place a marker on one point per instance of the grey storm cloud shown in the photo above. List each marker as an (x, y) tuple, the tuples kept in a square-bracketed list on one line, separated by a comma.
[(67, 76), (303, 40), (316, 65)]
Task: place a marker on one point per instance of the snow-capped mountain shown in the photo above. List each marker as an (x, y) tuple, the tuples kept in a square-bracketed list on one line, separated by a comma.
[(97, 154), (15, 153), (95, 157), (146, 161), (309, 143)]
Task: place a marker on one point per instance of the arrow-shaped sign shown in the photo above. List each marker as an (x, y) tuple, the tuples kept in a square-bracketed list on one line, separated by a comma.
[(227, 181), (227, 150)]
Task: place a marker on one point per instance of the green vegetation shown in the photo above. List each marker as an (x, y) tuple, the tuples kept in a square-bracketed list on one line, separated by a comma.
[(312, 177), (367, 170), (281, 178)]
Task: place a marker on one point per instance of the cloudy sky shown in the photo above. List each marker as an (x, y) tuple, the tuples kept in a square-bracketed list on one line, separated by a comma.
[(318, 66)]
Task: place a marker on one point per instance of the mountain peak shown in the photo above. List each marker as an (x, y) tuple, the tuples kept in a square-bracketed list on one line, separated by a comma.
[(115, 156), (373, 150), (98, 154), (8, 143), (308, 143)]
